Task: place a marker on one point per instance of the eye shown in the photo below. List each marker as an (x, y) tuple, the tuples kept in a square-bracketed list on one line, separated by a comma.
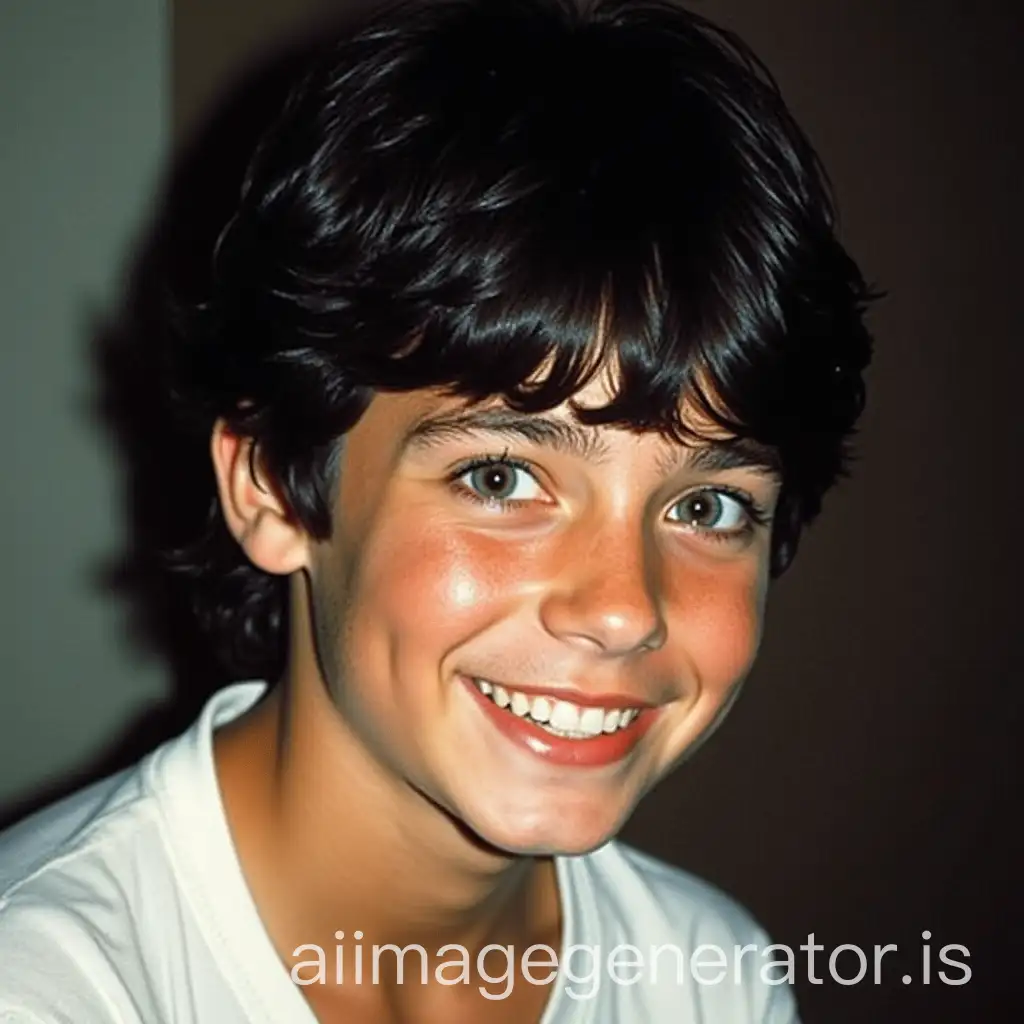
[(713, 511), (501, 481)]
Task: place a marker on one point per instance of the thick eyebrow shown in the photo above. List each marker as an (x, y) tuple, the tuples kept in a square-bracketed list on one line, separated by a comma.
[(582, 441), (718, 456), (559, 435)]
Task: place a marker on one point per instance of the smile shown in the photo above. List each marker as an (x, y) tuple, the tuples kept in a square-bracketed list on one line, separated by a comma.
[(559, 717), (592, 732)]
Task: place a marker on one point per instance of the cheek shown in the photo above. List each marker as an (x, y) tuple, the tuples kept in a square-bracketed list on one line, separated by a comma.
[(718, 617), (435, 583)]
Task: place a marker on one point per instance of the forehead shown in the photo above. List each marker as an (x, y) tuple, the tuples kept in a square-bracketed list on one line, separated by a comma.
[(410, 422)]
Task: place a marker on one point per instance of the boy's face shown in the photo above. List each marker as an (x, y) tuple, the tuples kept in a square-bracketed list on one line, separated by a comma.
[(558, 563)]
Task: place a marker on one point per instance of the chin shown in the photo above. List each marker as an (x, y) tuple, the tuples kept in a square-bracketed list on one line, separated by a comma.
[(545, 832)]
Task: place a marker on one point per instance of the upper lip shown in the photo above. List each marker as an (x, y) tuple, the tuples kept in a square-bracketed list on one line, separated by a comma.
[(571, 694)]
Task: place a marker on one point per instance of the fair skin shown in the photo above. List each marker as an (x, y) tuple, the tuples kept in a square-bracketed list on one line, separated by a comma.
[(587, 564)]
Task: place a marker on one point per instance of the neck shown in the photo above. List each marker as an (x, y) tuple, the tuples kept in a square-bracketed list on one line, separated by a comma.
[(331, 841)]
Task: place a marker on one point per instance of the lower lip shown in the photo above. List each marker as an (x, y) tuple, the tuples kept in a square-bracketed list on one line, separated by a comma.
[(597, 751)]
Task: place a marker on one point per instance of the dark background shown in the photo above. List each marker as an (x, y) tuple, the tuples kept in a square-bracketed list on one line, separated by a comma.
[(865, 787)]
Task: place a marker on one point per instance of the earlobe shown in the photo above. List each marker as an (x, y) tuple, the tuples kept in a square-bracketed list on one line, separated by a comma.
[(252, 508)]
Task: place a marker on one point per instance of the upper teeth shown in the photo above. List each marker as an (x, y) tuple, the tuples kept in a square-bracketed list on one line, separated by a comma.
[(558, 716)]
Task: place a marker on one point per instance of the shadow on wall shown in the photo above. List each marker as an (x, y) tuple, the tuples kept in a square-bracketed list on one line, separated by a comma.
[(166, 468)]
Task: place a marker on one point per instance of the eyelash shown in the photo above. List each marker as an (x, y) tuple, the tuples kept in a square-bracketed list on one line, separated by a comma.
[(485, 462), (756, 514)]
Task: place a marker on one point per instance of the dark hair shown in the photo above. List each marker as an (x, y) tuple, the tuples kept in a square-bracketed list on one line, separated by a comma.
[(459, 192)]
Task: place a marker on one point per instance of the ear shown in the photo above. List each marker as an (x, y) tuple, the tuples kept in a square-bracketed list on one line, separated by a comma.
[(254, 513)]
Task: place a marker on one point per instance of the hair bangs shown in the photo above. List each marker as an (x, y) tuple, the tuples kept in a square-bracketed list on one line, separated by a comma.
[(669, 364), (511, 199)]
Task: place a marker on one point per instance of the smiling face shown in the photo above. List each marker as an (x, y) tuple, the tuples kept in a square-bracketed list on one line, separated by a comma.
[(529, 621)]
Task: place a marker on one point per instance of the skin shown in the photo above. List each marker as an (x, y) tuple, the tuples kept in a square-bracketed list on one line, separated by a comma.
[(370, 768)]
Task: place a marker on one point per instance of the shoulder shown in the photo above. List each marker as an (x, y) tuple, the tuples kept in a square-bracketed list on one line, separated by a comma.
[(669, 897), (72, 880), (100, 916), (85, 847), (109, 842), (690, 939), (59, 834)]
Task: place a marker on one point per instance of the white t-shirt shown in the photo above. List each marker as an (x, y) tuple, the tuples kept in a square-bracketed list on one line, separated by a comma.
[(126, 902)]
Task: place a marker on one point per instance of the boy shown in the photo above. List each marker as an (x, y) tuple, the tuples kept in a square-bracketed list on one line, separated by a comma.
[(530, 351)]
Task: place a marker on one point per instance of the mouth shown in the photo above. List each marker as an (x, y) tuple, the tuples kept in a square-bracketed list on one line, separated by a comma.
[(587, 731), (557, 716)]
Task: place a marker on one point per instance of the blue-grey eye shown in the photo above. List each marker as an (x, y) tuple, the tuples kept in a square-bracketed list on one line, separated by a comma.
[(502, 481), (710, 510)]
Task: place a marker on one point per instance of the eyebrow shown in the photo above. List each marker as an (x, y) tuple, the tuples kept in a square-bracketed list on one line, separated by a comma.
[(563, 436), (559, 435), (717, 456)]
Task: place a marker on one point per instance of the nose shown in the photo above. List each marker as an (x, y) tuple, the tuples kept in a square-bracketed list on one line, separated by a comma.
[(606, 596)]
